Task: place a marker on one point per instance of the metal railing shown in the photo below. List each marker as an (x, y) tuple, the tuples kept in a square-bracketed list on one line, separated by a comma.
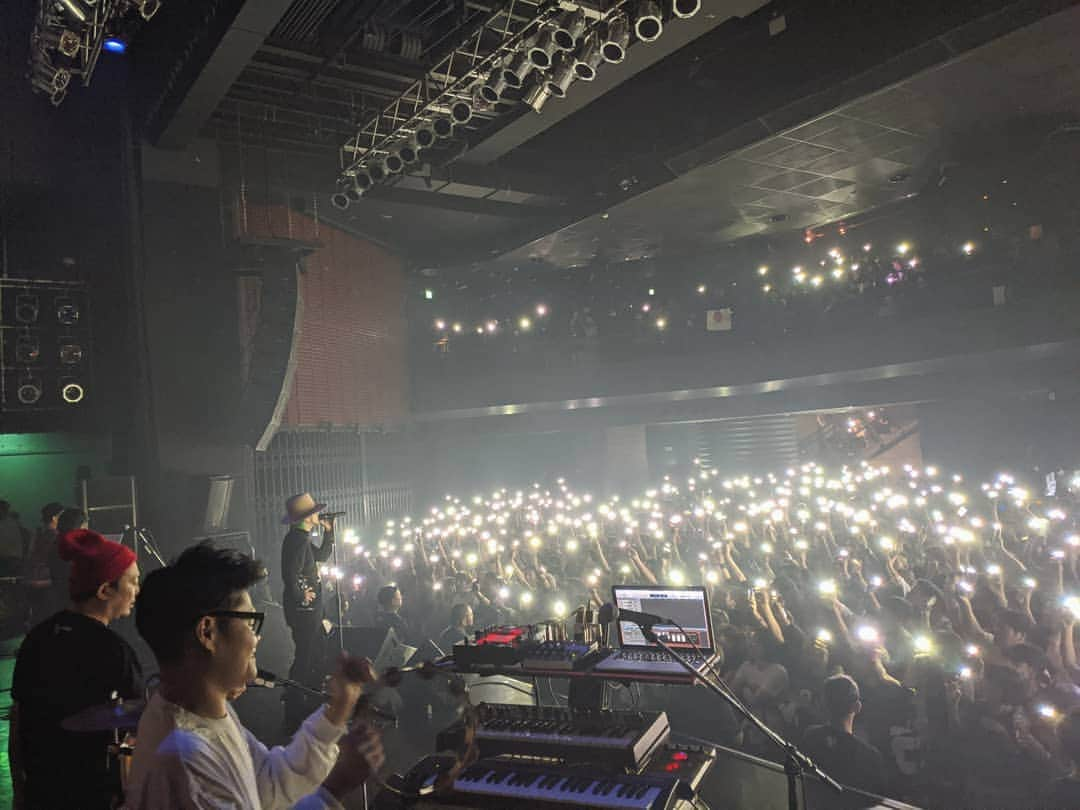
[(338, 468)]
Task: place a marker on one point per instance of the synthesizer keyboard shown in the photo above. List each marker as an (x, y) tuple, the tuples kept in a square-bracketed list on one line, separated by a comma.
[(512, 781), (618, 739)]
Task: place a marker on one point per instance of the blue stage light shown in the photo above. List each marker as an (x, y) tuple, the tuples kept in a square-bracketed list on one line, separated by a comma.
[(114, 45)]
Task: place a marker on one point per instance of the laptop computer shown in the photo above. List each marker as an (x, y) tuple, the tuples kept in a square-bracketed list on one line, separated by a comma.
[(689, 606)]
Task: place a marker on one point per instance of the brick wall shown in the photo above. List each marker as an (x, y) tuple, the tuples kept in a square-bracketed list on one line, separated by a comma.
[(351, 357)]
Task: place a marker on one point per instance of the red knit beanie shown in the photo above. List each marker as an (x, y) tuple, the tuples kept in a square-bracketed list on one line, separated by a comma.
[(94, 560)]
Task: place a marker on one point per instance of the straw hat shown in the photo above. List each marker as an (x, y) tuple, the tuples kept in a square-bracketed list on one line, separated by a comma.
[(299, 507)]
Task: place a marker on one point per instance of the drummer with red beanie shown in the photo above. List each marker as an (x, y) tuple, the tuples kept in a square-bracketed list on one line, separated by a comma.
[(69, 662)]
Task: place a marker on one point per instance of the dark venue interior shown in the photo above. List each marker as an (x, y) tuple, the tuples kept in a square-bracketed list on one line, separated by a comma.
[(456, 315)]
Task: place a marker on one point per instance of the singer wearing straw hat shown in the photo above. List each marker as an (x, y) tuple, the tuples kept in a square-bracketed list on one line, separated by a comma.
[(303, 601)]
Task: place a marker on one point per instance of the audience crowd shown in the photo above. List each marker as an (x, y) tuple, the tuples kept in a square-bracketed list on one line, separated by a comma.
[(914, 633)]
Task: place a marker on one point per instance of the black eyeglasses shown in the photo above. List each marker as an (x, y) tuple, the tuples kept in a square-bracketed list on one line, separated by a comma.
[(255, 618)]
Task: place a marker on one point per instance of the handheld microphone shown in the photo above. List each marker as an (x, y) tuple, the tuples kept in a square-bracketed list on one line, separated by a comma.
[(330, 515), (643, 620)]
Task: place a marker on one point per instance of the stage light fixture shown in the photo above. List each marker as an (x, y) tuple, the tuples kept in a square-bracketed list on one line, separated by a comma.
[(517, 70), (617, 40), (75, 9), (49, 79), (408, 153), (27, 349), (114, 45), (66, 42), (71, 354), (541, 50), (393, 163), (648, 21), (339, 200), (492, 89), (67, 312), (424, 137), (148, 8), (442, 127), (538, 94), (29, 390), (352, 190), (568, 30), (685, 9), (27, 308), (461, 112), (561, 76), (71, 392), (588, 58), (363, 180), (377, 171), (480, 100)]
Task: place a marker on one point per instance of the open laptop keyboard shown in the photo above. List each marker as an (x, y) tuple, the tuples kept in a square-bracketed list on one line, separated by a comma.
[(647, 661)]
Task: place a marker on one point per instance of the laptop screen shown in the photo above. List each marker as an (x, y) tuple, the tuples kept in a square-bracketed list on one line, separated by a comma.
[(687, 606)]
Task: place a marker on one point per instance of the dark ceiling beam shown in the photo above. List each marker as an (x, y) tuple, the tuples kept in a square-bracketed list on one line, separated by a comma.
[(237, 46), (677, 34), (456, 202), (655, 170)]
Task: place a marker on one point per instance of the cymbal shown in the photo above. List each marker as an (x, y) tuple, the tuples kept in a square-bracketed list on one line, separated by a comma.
[(123, 716)]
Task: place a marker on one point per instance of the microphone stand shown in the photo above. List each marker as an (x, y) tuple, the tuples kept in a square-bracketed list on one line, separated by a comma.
[(796, 763)]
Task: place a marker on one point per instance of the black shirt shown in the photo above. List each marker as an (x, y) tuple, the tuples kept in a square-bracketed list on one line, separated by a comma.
[(450, 636), (299, 561), (395, 622), (65, 664), (845, 758)]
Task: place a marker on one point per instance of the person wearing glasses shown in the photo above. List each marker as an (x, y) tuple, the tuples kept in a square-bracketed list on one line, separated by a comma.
[(192, 751), (67, 663)]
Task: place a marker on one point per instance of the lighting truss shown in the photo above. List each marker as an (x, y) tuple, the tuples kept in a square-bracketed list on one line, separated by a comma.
[(67, 40), (450, 82)]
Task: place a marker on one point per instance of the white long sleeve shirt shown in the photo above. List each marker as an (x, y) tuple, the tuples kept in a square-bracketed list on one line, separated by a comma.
[(187, 762)]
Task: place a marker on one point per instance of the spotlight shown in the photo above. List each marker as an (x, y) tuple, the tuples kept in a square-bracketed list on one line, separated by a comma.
[(538, 94), (29, 391), (541, 50), (492, 90), (393, 163), (649, 21), (75, 8), (66, 42), (377, 171), (588, 58), (50, 80), (114, 45), (424, 137), (339, 200), (442, 127), (685, 9), (351, 190), (363, 180), (26, 308), (461, 112), (562, 76), (71, 354), (408, 153), (71, 392), (613, 48), (568, 29), (27, 349), (515, 72), (67, 312), (147, 8), (480, 99)]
